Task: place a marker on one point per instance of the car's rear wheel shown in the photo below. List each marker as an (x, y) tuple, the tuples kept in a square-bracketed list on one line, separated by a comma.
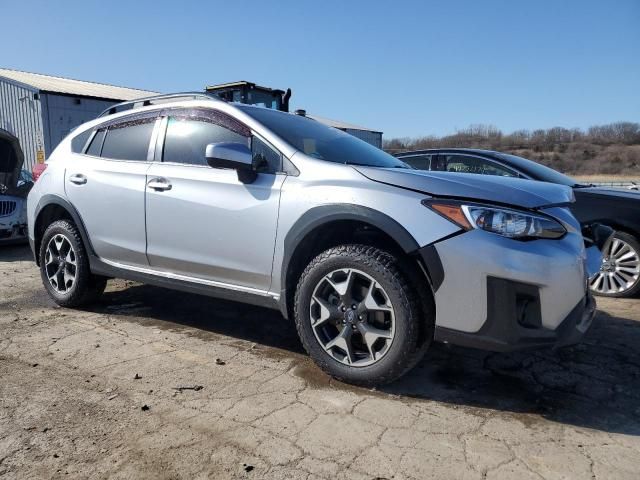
[(619, 274), (64, 267), (358, 317)]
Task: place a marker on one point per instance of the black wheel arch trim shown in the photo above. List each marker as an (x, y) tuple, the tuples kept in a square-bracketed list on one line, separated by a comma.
[(325, 214), (52, 199)]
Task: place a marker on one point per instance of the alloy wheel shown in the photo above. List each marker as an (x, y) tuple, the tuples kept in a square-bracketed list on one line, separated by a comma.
[(352, 317), (60, 263), (620, 269)]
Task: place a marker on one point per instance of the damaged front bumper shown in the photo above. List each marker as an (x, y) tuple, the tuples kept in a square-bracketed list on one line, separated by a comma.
[(500, 294), (514, 324)]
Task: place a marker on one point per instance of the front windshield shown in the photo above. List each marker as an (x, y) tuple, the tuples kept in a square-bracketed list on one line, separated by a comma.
[(538, 171), (320, 141)]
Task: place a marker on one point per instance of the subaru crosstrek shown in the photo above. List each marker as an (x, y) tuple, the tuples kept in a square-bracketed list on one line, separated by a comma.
[(372, 259)]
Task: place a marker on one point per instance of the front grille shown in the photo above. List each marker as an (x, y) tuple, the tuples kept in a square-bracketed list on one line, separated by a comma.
[(7, 207)]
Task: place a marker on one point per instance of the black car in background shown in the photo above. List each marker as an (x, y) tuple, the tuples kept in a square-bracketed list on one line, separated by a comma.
[(619, 209)]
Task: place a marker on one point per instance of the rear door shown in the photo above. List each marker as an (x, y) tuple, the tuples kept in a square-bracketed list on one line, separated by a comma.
[(203, 222), (106, 183)]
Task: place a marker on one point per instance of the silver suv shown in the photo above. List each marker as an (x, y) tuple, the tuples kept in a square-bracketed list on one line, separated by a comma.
[(372, 259)]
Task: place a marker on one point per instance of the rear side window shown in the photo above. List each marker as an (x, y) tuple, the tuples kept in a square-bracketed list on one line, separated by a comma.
[(128, 140), (79, 141), (187, 138), (95, 147)]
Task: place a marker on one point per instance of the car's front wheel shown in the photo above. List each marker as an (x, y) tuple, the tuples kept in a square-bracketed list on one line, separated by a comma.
[(358, 317), (64, 267), (619, 274)]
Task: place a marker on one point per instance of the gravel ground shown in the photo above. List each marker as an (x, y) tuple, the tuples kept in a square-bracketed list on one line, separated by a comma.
[(152, 383)]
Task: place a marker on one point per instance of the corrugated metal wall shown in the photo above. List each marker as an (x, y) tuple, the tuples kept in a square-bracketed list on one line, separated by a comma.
[(63, 113), (374, 138), (21, 115)]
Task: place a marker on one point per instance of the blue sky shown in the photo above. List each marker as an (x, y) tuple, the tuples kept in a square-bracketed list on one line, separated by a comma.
[(409, 68)]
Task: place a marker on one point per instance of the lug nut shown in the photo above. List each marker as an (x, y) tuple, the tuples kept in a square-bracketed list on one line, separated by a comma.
[(353, 307), (343, 308)]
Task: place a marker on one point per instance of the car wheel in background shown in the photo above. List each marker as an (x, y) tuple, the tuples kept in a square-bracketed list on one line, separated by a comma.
[(358, 317), (64, 267), (619, 275)]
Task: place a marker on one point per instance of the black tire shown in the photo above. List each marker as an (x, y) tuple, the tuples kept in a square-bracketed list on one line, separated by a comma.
[(633, 291), (413, 322), (87, 287)]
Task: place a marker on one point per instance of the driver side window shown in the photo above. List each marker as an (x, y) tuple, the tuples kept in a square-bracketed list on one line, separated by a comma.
[(187, 138)]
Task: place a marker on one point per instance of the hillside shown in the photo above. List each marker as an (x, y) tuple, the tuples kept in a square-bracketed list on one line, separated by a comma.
[(612, 149)]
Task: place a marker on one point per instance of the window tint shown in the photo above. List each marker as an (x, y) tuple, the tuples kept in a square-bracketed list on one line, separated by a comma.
[(95, 147), (128, 141), (187, 139), (265, 158), (79, 141), (419, 162), (467, 164)]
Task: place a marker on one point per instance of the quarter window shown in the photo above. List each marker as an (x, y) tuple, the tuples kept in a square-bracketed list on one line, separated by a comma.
[(79, 141), (467, 164), (129, 140), (187, 138)]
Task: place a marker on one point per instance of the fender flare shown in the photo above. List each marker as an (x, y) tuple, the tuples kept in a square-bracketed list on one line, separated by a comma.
[(52, 199), (325, 214)]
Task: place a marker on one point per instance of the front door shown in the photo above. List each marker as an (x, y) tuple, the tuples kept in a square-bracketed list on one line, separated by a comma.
[(203, 222)]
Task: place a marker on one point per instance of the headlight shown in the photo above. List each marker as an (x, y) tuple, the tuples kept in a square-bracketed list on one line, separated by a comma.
[(509, 223)]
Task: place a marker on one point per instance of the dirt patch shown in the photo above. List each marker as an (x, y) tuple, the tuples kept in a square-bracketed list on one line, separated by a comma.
[(157, 384)]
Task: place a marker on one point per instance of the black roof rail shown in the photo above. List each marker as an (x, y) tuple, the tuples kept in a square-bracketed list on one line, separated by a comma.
[(145, 102)]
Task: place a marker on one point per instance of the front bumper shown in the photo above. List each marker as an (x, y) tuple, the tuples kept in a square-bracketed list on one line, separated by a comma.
[(501, 294), (502, 332)]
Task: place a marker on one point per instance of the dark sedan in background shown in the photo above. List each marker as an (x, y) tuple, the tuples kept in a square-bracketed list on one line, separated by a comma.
[(619, 274)]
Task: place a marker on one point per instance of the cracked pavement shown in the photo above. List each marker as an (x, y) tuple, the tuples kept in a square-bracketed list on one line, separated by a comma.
[(71, 405)]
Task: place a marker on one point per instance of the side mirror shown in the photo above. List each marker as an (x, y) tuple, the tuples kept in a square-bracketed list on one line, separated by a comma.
[(236, 156)]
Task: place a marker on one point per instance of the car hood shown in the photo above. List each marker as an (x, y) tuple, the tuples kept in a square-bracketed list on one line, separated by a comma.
[(493, 189), (11, 160)]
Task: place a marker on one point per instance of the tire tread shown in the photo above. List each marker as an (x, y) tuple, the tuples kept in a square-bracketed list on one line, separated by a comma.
[(385, 264)]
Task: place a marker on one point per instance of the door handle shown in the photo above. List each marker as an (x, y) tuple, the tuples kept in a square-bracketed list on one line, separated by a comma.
[(159, 184), (78, 179)]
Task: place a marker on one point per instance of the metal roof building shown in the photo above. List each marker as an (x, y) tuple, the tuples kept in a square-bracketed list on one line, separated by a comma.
[(373, 137), (41, 109)]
